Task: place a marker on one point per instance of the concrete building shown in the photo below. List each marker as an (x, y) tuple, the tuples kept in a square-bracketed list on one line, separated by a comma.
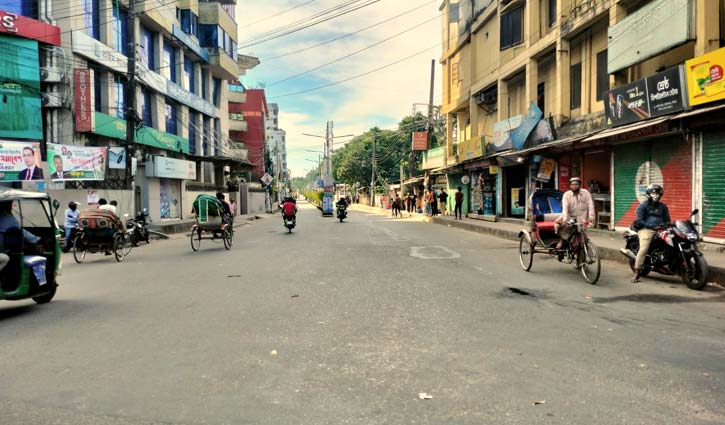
[(536, 92), (277, 145)]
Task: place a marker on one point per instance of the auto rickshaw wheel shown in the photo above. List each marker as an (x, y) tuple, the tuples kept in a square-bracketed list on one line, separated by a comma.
[(43, 299), (79, 249)]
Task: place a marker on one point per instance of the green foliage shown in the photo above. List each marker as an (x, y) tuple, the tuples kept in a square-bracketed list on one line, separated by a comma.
[(314, 196)]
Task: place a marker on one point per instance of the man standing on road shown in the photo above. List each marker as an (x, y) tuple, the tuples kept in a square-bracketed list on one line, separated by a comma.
[(458, 209), (577, 203), (443, 198), (651, 215)]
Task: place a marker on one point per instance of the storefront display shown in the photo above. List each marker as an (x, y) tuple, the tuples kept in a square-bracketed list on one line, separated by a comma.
[(170, 194)]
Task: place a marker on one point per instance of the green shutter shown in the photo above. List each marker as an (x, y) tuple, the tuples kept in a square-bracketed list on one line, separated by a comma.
[(713, 186), (627, 160)]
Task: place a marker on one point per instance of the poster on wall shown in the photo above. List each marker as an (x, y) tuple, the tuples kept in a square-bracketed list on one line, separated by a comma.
[(20, 114), (117, 158), (705, 82), (92, 197), (546, 169), (70, 162), (20, 161)]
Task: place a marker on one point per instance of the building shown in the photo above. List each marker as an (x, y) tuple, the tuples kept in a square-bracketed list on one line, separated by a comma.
[(277, 147), (536, 92), (254, 136)]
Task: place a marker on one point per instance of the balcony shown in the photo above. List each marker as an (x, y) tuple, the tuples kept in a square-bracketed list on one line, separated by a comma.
[(248, 62), (238, 151), (235, 96), (221, 64), (157, 14), (236, 124), (214, 13), (581, 14)]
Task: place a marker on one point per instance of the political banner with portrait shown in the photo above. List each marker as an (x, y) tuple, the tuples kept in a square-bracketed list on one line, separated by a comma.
[(20, 161), (70, 162)]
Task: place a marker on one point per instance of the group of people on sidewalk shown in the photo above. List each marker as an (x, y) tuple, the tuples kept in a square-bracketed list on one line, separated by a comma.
[(433, 203)]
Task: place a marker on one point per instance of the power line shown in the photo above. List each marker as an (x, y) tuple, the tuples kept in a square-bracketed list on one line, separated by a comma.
[(279, 14)]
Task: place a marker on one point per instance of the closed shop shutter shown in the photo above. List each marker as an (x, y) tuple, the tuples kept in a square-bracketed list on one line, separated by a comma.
[(628, 160), (713, 186)]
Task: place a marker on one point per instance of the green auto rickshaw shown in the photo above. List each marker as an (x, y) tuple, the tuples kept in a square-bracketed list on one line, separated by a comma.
[(29, 246)]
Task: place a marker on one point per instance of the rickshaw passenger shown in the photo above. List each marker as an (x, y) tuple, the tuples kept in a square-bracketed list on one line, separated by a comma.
[(8, 221)]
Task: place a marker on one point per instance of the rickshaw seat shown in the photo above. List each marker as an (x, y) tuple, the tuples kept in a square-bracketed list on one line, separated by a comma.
[(549, 226)]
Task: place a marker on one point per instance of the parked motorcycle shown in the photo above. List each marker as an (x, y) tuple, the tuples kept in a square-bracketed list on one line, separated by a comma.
[(673, 251), (138, 227), (341, 212)]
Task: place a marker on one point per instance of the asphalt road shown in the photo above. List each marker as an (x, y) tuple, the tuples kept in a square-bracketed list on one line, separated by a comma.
[(346, 323)]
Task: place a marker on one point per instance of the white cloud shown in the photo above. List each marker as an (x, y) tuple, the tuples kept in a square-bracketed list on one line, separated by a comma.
[(381, 98)]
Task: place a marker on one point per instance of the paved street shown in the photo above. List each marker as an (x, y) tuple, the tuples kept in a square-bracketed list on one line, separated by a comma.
[(347, 324)]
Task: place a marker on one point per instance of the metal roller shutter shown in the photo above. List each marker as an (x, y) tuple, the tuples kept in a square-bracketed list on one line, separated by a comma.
[(671, 161), (713, 186), (627, 162)]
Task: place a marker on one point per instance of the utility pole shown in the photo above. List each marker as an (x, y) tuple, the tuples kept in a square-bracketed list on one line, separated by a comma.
[(411, 166), (131, 91), (372, 179)]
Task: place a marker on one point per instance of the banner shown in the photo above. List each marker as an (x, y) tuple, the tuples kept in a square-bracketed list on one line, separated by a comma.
[(20, 161), (546, 169), (20, 115), (420, 140), (117, 158), (70, 162), (84, 100), (501, 130), (22, 26), (528, 123), (705, 81)]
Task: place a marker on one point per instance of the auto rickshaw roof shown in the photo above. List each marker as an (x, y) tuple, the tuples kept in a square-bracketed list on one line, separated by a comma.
[(12, 195)]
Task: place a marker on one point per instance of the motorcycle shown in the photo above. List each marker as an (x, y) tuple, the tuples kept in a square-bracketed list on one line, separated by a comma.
[(289, 222), (137, 227), (341, 212), (673, 251)]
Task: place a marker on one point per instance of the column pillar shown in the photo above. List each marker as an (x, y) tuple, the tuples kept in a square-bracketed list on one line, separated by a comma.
[(708, 26), (562, 104), (532, 82)]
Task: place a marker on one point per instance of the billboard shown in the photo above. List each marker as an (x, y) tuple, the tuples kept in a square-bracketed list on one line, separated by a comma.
[(420, 140), (434, 158), (20, 115), (20, 161), (705, 82), (83, 98), (71, 162), (117, 157), (501, 131)]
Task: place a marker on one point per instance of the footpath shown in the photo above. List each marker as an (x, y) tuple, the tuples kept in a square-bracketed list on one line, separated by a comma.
[(184, 225), (609, 242)]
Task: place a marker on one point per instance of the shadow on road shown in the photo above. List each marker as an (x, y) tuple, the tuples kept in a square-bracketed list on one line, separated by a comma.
[(659, 299)]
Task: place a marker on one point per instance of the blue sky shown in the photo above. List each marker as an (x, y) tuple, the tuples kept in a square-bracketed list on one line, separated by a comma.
[(380, 98)]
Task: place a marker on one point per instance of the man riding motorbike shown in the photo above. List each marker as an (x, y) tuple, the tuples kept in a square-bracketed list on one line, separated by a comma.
[(289, 208), (652, 215), (576, 203)]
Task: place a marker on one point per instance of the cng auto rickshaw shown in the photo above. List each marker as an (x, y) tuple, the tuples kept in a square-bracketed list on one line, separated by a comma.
[(32, 268)]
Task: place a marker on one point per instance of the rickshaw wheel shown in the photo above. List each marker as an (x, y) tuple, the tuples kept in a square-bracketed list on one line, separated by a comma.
[(228, 237), (43, 299), (590, 262), (118, 247), (526, 254), (127, 244), (195, 237), (79, 250)]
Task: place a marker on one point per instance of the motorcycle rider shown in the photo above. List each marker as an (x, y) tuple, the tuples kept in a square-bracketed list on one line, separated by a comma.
[(342, 203), (289, 208), (652, 215), (576, 203)]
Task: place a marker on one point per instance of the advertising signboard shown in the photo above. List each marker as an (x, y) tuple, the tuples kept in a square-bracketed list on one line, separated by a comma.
[(420, 140), (171, 168), (117, 157), (471, 148), (20, 161), (656, 27), (84, 99), (705, 82), (70, 162), (501, 130), (109, 126), (434, 158), (660, 94), (22, 26), (20, 115), (528, 123), (327, 203)]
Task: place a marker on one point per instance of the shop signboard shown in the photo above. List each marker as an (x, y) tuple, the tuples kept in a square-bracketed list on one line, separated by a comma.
[(20, 114), (471, 148), (171, 168), (655, 28), (84, 100), (434, 158), (660, 94), (705, 77), (20, 161), (542, 133), (546, 169), (528, 123), (420, 140), (117, 157), (113, 127), (22, 26), (71, 162), (501, 131), (90, 48)]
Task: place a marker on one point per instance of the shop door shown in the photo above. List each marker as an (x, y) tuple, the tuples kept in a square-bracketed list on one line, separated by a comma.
[(667, 162), (515, 190), (713, 186), (170, 195)]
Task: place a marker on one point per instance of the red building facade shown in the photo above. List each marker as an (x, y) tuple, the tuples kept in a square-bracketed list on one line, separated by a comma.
[(255, 114)]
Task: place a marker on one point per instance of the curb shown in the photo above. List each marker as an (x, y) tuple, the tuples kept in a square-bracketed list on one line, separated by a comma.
[(717, 274)]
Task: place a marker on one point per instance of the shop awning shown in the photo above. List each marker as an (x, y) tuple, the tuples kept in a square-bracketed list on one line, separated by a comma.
[(700, 111), (631, 128), (413, 180), (449, 168)]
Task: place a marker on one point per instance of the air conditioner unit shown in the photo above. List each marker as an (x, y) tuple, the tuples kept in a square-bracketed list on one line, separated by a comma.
[(51, 74), (51, 100)]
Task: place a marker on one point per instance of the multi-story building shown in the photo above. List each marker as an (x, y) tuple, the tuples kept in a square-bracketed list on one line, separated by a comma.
[(254, 134), (538, 91), (277, 145)]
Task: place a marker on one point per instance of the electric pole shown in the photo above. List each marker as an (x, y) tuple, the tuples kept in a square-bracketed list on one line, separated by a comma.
[(131, 89), (372, 178), (412, 157)]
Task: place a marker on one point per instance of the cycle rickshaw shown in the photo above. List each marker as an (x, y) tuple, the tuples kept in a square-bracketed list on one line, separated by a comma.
[(212, 219), (100, 231)]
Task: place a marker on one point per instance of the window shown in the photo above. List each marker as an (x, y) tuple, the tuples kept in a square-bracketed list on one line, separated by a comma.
[(192, 132), (119, 96), (237, 116), (602, 76), (216, 92), (208, 35), (204, 90), (147, 48), (512, 28), (207, 136), (189, 75), (169, 65), (455, 77), (120, 29), (189, 22), (552, 13), (575, 79), (92, 18), (97, 77), (170, 117), (541, 97), (27, 8), (146, 107)]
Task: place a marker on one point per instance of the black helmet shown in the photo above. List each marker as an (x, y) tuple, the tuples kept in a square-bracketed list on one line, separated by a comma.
[(654, 192)]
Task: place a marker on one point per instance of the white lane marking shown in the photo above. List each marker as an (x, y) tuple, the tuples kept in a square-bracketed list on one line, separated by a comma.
[(433, 252)]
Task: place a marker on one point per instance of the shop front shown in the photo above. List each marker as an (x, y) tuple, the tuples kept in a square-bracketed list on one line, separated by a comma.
[(594, 167), (482, 176), (163, 183)]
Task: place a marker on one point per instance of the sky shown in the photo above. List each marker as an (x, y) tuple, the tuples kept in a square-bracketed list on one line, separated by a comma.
[(380, 98)]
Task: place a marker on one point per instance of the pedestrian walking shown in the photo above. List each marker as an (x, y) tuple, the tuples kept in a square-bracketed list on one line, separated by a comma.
[(408, 200), (458, 210), (429, 203), (443, 198), (396, 206), (413, 203), (434, 202)]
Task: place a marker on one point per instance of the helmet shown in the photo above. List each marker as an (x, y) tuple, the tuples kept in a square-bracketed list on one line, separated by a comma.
[(654, 192), (575, 179)]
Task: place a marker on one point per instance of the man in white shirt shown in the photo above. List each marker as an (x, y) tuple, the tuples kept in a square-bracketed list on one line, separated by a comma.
[(577, 203), (104, 205)]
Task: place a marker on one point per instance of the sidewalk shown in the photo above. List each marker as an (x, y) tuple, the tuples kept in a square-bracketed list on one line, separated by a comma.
[(609, 243), (183, 226)]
